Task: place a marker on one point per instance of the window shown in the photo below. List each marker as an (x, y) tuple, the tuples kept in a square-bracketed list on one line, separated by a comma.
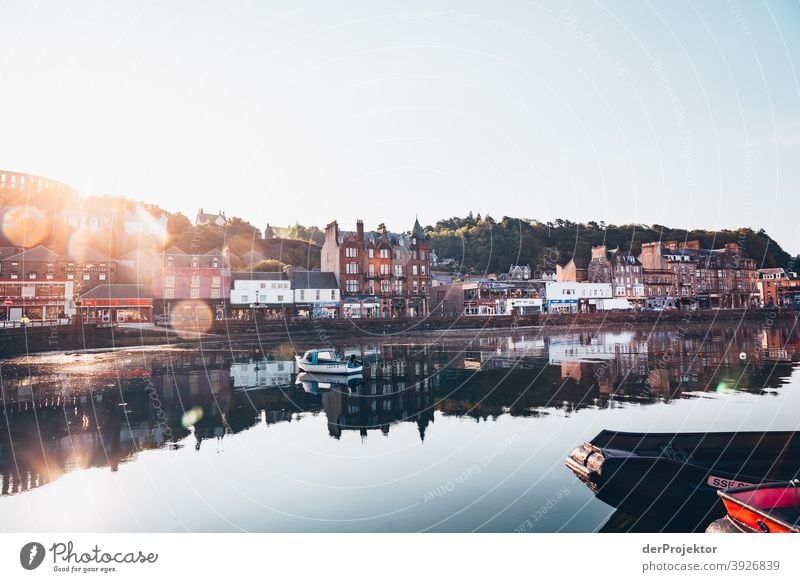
[(352, 286), (169, 281), (413, 269), (245, 299), (371, 253), (398, 270), (195, 280), (216, 281), (195, 263), (86, 277), (215, 293), (371, 269), (414, 255), (333, 295), (280, 298), (351, 268), (318, 294), (423, 269), (169, 293), (302, 294), (194, 293), (215, 263), (384, 269), (350, 252), (33, 276), (372, 288), (384, 253), (102, 276)]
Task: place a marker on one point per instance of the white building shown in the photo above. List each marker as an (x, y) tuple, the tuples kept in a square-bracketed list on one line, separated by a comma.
[(261, 291), (316, 294), (262, 374), (571, 297)]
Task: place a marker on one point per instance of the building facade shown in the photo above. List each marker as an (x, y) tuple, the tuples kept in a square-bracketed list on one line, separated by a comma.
[(197, 285), (379, 273)]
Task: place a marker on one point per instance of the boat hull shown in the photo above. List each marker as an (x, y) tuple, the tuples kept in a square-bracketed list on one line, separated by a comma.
[(338, 368), (667, 476)]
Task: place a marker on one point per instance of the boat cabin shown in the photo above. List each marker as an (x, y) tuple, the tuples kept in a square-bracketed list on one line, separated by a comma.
[(321, 357)]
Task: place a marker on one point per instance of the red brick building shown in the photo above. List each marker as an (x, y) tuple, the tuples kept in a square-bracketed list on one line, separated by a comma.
[(380, 273)]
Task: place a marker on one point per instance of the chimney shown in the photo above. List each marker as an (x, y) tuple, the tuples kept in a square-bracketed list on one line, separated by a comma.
[(671, 246), (599, 252), (360, 230), (693, 245), (382, 228), (732, 247)]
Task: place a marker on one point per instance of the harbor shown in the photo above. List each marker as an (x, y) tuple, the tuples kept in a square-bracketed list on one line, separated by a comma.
[(458, 432)]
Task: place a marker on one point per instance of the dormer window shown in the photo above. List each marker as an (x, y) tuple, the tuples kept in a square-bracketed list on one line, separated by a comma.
[(215, 263), (195, 263), (170, 262)]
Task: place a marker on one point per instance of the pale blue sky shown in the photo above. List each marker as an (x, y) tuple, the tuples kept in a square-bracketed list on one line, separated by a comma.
[(678, 113)]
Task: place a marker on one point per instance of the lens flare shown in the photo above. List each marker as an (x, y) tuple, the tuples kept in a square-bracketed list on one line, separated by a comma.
[(24, 226), (190, 318), (192, 417)]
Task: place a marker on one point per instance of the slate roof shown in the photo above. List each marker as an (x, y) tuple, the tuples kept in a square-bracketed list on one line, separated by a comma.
[(314, 280), (36, 254)]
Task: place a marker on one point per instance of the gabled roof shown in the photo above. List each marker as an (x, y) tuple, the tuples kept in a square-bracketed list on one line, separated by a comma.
[(36, 254), (258, 276), (314, 280), (173, 251), (118, 291)]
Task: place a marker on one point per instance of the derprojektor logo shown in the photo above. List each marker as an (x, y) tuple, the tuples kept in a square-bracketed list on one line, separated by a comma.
[(31, 555)]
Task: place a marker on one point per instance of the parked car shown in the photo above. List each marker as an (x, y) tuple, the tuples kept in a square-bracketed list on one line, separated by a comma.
[(170, 319)]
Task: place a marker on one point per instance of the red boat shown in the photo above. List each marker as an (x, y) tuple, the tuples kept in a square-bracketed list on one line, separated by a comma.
[(773, 508)]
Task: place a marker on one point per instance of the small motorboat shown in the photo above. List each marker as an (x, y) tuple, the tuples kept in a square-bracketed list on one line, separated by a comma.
[(316, 383), (773, 508), (328, 362), (670, 475)]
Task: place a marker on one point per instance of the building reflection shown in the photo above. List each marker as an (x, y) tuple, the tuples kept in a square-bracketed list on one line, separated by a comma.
[(101, 411)]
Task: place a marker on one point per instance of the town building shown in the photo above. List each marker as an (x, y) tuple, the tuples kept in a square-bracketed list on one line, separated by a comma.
[(316, 294), (379, 273), (194, 285), (207, 218), (259, 295), (45, 300), (778, 287), (519, 272), (88, 269), (118, 303), (575, 297), (725, 277), (621, 269), (576, 270)]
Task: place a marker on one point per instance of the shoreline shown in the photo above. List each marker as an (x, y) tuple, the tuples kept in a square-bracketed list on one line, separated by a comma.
[(21, 341)]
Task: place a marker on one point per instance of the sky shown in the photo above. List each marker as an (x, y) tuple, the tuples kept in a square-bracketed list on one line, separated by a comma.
[(679, 113)]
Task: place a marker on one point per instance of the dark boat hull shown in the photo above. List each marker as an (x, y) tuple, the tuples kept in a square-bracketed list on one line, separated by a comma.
[(673, 475)]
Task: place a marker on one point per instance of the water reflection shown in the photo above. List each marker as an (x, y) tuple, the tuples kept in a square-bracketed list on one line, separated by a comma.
[(68, 412)]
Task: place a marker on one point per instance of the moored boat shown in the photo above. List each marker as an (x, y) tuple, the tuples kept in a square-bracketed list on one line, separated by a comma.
[(673, 474), (327, 361), (316, 383), (773, 508)]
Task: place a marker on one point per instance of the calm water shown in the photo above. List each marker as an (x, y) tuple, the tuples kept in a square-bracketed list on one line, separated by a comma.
[(457, 434)]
